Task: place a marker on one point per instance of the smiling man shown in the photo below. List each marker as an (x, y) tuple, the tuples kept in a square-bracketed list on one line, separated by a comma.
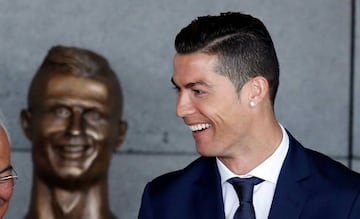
[(227, 74), (74, 121)]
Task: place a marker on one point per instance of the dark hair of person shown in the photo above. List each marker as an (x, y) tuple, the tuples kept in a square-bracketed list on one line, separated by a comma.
[(241, 42)]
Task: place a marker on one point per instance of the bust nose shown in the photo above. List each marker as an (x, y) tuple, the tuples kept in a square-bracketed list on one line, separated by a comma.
[(75, 123)]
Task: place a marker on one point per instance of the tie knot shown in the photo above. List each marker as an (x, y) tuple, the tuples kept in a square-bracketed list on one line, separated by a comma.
[(244, 187), (251, 181)]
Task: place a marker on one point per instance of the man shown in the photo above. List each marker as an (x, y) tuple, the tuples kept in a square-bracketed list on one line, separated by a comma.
[(7, 173), (74, 121), (227, 74)]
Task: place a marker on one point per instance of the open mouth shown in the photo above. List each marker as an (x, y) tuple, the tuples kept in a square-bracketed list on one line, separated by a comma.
[(74, 152), (70, 158), (199, 127)]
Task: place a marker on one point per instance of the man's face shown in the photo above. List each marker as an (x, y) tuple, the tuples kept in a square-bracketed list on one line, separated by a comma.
[(74, 127), (6, 187), (210, 105)]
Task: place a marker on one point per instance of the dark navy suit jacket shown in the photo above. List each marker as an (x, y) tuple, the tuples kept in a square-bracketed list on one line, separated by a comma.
[(310, 186)]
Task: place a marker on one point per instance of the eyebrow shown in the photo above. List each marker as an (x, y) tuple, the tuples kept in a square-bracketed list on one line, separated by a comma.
[(6, 169), (191, 84), (173, 82)]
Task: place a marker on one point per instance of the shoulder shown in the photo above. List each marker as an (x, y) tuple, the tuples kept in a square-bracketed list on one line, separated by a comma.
[(170, 195), (325, 167), (334, 184), (332, 169), (181, 179), (188, 173)]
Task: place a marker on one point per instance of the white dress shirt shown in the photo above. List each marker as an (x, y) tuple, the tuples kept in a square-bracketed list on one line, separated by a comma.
[(268, 170)]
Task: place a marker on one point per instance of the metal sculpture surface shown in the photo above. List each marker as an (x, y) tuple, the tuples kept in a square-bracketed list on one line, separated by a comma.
[(74, 122)]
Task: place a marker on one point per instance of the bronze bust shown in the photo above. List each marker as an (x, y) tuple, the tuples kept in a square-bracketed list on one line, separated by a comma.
[(74, 121)]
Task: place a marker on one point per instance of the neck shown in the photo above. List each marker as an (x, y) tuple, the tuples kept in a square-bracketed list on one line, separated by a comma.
[(48, 202), (264, 138)]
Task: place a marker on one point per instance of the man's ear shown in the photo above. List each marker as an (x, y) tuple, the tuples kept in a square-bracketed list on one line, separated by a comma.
[(25, 121), (259, 89), (123, 126)]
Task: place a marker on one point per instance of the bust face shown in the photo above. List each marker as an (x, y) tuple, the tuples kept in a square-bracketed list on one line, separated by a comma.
[(74, 127)]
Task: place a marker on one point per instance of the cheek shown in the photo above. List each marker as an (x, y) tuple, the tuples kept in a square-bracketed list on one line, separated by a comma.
[(227, 119), (101, 131), (44, 126), (215, 113), (5, 196), (53, 123), (97, 133)]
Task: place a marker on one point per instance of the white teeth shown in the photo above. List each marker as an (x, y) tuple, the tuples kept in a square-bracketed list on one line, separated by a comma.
[(199, 127), (73, 149)]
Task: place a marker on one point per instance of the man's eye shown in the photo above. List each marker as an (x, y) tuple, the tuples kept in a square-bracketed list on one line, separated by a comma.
[(62, 112), (198, 92)]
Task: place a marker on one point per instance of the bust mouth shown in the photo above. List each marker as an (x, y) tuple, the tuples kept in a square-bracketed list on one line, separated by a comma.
[(74, 152), (72, 160), (67, 154)]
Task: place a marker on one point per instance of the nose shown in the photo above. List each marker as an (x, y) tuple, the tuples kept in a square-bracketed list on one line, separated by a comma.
[(75, 126), (184, 105)]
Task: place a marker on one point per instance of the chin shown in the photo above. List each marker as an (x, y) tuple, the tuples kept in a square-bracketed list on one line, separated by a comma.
[(70, 172), (205, 152), (209, 150)]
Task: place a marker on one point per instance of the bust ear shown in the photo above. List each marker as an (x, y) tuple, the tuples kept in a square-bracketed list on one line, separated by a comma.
[(123, 126), (25, 122)]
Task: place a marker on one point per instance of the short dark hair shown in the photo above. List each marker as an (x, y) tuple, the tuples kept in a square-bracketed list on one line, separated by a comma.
[(241, 42), (77, 61)]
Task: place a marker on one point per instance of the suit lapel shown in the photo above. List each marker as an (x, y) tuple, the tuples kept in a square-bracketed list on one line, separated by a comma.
[(208, 200), (291, 193)]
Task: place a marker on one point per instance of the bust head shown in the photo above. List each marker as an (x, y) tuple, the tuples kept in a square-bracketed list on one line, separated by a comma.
[(74, 118)]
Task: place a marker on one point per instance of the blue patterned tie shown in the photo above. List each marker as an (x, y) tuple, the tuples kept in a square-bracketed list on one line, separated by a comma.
[(244, 189)]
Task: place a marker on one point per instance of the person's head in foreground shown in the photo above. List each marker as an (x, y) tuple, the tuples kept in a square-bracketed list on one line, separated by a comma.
[(226, 73), (7, 172)]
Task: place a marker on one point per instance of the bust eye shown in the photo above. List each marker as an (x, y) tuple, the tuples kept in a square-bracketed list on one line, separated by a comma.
[(62, 112), (92, 115)]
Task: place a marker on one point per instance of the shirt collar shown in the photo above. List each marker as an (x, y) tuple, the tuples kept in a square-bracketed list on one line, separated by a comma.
[(268, 170)]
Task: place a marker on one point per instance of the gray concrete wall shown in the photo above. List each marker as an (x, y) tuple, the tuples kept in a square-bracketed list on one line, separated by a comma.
[(356, 108), (312, 38)]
